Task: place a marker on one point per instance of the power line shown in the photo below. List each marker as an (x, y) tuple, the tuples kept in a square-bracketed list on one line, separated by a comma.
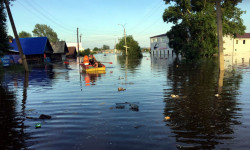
[(51, 15), (146, 17), (35, 14), (45, 16)]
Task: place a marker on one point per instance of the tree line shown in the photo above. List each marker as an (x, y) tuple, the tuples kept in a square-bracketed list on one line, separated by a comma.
[(41, 30), (194, 30)]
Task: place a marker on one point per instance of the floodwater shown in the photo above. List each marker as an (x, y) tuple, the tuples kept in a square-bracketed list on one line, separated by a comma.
[(88, 111)]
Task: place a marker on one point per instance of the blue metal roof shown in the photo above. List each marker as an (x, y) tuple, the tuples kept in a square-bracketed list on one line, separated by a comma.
[(33, 45)]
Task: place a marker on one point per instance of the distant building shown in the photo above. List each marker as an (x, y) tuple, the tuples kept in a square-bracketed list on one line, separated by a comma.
[(36, 49), (72, 52), (60, 51), (159, 45), (75, 45), (238, 48)]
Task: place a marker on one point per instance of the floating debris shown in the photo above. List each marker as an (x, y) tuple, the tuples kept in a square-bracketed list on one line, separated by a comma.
[(120, 78), (30, 117), (42, 116), (38, 125), (119, 106), (216, 95), (138, 126), (121, 89), (174, 96), (134, 107), (167, 118)]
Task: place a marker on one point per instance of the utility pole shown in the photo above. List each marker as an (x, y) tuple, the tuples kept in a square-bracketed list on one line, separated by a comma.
[(23, 57), (77, 41), (80, 38), (125, 38), (78, 46), (219, 32)]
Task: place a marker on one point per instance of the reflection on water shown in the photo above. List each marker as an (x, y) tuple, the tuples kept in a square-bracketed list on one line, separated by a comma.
[(210, 112), (91, 77), (199, 118), (12, 126), (128, 63)]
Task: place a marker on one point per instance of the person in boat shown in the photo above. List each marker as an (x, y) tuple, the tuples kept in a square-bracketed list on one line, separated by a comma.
[(86, 60), (93, 61)]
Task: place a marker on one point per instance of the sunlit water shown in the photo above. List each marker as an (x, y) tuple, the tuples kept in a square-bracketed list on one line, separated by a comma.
[(87, 114)]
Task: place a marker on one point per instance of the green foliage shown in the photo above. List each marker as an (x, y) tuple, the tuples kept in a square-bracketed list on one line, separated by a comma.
[(4, 42), (134, 49), (96, 49), (105, 47), (24, 34), (85, 52), (42, 30), (145, 49), (194, 33)]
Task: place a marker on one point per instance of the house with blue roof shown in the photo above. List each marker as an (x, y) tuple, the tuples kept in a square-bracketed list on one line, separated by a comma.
[(36, 49)]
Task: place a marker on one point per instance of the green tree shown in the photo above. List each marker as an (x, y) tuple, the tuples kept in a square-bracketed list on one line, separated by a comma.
[(194, 33), (105, 47), (85, 52), (134, 49), (42, 30), (24, 34), (4, 42), (96, 49)]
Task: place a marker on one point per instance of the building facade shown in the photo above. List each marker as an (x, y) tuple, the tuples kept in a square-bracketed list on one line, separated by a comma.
[(237, 50), (159, 45), (75, 45)]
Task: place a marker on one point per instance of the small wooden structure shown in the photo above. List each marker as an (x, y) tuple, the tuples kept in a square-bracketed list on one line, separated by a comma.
[(60, 51), (36, 49), (72, 52)]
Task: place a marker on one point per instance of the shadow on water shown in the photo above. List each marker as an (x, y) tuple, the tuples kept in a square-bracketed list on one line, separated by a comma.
[(13, 106), (12, 126), (200, 117)]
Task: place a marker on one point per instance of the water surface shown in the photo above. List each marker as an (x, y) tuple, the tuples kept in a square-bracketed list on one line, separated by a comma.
[(86, 114)]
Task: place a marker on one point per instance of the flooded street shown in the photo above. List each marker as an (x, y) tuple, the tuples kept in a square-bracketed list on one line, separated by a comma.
[(88, 111)]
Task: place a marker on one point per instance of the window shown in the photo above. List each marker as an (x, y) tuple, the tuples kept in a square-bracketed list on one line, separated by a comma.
[(153, 40), (163, 40), (244, 41), (236, 41)]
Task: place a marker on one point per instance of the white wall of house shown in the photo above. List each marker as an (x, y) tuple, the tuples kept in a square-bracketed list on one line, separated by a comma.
[(236, 50), (75, 44), (159, 45)]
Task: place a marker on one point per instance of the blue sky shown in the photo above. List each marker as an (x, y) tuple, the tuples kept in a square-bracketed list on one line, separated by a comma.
[(97, 20)]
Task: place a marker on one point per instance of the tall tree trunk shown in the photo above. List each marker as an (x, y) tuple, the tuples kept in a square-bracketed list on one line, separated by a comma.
[(219, 32)]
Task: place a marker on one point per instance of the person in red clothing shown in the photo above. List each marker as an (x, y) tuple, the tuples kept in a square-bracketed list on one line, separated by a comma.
[(86, 60)]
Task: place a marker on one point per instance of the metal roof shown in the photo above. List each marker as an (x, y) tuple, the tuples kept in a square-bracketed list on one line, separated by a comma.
[(60, 47), (33, 45), (246, 35), (159, 35)]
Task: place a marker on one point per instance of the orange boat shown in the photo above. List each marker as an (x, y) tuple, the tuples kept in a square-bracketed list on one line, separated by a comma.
[(90, 68)]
